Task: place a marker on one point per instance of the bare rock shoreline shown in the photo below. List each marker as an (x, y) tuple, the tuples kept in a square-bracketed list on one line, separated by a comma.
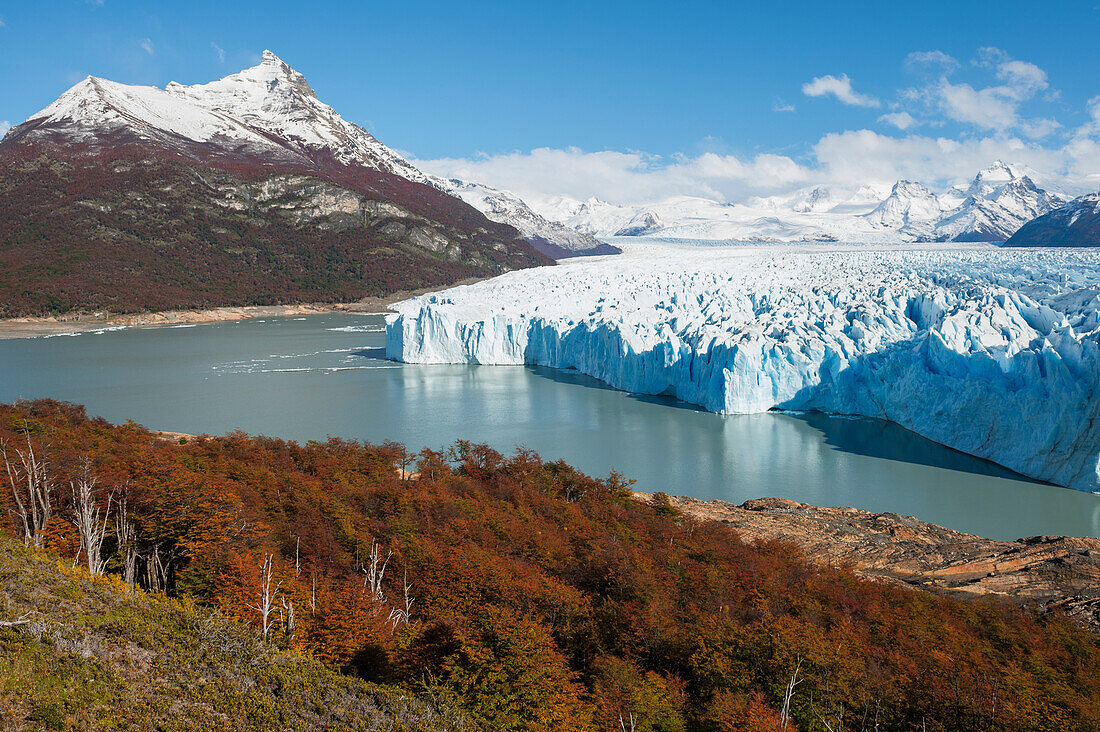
[(1046, 573), (34, 327)]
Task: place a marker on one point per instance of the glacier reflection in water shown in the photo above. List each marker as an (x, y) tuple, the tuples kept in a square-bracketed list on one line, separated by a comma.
[(306, 378)]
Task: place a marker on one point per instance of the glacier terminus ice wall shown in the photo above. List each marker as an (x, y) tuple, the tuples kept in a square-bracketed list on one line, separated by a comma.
[(990, 351)]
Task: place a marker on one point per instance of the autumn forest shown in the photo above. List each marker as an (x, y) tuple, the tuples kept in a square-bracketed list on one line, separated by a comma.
[(526, 594)]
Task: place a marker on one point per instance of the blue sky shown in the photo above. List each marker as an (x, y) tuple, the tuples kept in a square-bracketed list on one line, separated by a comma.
[(882, 90)]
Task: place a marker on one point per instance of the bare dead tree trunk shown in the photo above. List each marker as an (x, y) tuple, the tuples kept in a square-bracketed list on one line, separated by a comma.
[(152, 575), (32, 489), (788, 694), (628, 724), (313, 595), (21, 620), (401, 615), (156, 569), (289, 627), (126, 536), (375, 572), (821, 717), (91, 520), (269, 588)]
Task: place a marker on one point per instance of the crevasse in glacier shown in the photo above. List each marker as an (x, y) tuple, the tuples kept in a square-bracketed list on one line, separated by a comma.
[(989, 351)]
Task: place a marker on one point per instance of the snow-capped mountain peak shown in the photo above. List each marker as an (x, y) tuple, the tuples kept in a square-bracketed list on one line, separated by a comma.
[(999, 200), (989, 180), (268, 111), (269, 108), (910, 207), (998, 172), (644, 222)]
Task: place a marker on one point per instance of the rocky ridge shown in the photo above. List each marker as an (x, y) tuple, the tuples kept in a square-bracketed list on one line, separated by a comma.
[(1048, 573)]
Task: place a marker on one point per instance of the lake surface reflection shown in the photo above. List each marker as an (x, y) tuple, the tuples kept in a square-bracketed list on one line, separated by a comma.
[(306, 378)]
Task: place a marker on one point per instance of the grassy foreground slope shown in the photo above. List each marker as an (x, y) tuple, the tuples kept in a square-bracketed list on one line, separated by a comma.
[(538, 598), (96, 654)]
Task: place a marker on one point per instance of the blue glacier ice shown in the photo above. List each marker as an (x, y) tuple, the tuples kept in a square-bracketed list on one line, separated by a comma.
[(990, 351)]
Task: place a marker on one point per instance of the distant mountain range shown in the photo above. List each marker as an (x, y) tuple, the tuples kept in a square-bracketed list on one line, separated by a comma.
[(246, 190), (250, 190), (992, 207)]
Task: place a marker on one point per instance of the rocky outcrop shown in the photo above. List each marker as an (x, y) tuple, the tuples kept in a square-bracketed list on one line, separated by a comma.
[(1047, 573)]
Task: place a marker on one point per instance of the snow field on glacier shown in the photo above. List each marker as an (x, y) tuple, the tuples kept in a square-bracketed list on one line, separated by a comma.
[(993, 352)]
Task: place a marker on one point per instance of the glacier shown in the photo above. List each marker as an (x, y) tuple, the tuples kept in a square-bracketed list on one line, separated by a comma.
[(991, 351)]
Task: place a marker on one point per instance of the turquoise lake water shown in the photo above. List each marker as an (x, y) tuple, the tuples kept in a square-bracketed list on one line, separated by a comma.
[(306, 378)]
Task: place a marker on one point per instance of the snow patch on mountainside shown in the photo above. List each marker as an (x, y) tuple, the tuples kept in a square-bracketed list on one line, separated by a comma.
[(507, 208), (993, 352)]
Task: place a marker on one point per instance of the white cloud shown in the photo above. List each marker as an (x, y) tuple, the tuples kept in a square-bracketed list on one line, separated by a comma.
[(781, 106), (839, 87), (1094, 110), (938, 59), (901, 120), (147, 46), (2, 23), (864, 155), (989, 108), (993, 107), (1022, 78), (4, 127), (1037, 129), (218, 50), (994, 127), (625, 177)]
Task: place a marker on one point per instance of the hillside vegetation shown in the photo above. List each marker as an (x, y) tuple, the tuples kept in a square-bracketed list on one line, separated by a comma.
[(538, 598), (93, 653), (129, 229)]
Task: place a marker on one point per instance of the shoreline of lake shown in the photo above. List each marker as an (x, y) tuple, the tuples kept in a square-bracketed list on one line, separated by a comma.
[(84, 322), (1046, 573)]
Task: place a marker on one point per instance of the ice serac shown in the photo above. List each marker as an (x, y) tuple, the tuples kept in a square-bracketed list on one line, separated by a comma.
[(990, 351)]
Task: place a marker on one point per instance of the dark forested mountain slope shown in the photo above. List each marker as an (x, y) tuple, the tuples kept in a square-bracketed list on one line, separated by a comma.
[(1077, 224)]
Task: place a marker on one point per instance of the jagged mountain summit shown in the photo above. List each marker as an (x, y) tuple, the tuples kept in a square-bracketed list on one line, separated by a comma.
[(998, 201), (270, 112), (1077, 224), (991, 207), (552, 238), (910, 209), (246, 190)]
